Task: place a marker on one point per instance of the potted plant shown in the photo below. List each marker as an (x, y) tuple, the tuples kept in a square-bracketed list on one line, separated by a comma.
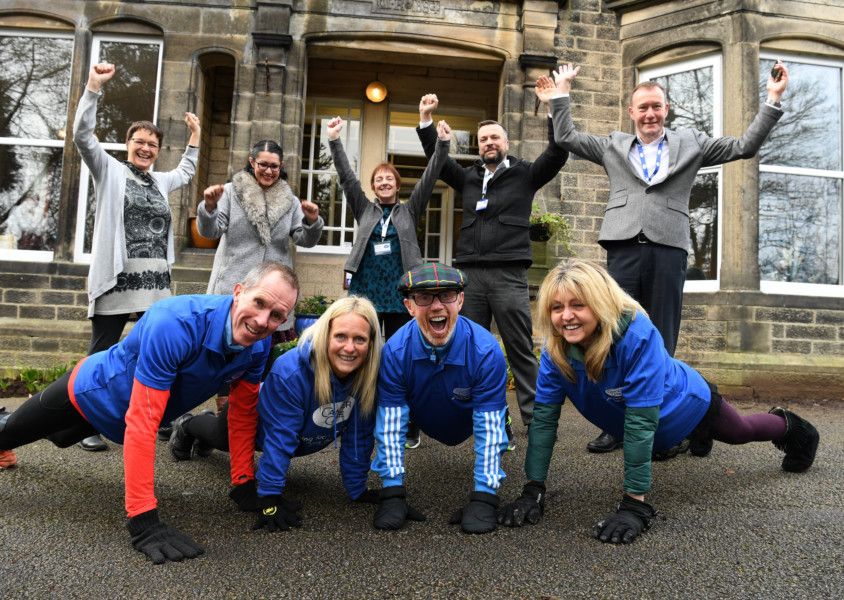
[(308, 310), (544, 226)]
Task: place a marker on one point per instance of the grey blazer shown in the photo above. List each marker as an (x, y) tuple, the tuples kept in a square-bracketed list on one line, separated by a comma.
[(405, 215), (660, 211)]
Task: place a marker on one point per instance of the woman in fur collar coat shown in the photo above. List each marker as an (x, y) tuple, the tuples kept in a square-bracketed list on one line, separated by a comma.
[(254, 216)]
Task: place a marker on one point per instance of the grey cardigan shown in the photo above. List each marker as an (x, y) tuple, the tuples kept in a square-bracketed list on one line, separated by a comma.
[(241, 246), (405, 215), (108, 251), (661, 211)]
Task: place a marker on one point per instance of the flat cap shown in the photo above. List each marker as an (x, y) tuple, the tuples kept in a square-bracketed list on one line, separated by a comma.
[(432, 276)]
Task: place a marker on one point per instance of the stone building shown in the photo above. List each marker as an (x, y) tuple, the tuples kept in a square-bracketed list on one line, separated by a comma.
[(765, 312)]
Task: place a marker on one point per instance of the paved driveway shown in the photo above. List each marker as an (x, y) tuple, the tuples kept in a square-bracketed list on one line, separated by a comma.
[(736, 526)]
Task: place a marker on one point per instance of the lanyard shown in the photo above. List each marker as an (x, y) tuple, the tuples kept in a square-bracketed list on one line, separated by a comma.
[(642, 159), (385, 224)]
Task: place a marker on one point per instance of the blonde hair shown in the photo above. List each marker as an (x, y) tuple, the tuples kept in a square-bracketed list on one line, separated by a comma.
[(319, 335), (593, 286)]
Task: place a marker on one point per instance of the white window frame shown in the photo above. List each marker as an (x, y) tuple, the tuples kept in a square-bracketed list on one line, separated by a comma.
[(79, 255), (34, 255), (345, 247), (715, 62), (793, 288)]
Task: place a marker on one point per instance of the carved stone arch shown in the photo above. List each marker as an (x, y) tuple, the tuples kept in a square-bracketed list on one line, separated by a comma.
[(18, 19)]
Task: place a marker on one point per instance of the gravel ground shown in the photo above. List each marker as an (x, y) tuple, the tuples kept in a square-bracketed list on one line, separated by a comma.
[(735, 526)]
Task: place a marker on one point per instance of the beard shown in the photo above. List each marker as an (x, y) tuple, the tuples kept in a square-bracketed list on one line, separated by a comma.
[(494, 159)]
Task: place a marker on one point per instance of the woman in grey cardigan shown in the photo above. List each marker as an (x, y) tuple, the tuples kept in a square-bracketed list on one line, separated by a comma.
[(132, 248), (386, 245)]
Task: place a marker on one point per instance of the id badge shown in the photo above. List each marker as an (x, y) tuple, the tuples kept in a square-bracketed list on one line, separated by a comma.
[(382, 248), (482, 204)]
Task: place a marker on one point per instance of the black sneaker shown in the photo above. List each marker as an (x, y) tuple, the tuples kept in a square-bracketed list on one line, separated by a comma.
[(165, 431), (200, 448), (680, 448), (181, 442), (414, 437), (800, 442)]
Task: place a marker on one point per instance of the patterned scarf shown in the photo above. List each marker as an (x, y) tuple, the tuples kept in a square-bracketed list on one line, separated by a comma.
[(142, 175)]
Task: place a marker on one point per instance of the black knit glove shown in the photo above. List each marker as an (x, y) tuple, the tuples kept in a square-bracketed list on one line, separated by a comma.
[(631, 518), (159, 542), (275, 514), (527, 508), (393, 510), (479, 515), (245, 496)]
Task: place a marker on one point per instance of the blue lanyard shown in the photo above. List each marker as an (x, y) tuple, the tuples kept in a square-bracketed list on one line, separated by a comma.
[(642, 159)]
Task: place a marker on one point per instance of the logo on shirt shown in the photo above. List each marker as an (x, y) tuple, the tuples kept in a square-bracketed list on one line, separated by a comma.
[(323, 416), (614, 394)]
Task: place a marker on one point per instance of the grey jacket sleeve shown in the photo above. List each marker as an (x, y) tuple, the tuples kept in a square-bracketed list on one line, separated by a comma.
[(591, 147), (213, 225), (301, 232), (351, 185), (717, 151)]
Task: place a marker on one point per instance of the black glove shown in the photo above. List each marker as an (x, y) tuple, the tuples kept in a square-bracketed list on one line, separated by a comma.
[(527, 508), (631, 518), (275, 514), (245, 495), (159, 542), (479, 515), (393, 509), (367, 497)]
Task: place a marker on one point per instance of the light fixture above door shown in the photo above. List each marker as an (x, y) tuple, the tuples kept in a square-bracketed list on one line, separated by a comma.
[(376, 92)]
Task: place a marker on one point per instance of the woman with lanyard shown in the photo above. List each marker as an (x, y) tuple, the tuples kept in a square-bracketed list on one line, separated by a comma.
[(386, 245), (604, 354), (132, 246), (321, 391)]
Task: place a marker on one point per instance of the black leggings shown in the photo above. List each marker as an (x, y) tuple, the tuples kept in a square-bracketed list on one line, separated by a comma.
[(48, 414), (106, 331)]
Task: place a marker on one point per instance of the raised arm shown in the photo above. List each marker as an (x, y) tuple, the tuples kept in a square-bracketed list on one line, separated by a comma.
[(352, 189), (452, 172), (86, 119), (423, 189), (212, 214)]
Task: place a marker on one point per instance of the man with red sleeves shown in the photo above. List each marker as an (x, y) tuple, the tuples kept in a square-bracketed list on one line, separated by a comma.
[(175, 357)]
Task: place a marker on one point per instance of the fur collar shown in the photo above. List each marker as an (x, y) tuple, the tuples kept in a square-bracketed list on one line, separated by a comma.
[(263, 207)]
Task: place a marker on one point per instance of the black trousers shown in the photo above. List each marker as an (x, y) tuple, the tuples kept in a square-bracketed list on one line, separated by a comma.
[(654, 275), (106, 331), (48, 414)]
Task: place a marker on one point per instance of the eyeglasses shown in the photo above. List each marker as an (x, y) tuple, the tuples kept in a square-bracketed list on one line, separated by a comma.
[(267, 166), (427, 298), (145, 144)]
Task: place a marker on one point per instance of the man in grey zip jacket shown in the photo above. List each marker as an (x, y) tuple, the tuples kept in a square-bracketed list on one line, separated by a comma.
[(494, 248)]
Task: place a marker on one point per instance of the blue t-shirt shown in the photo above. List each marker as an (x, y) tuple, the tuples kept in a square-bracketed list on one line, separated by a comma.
[(178, 345), (638, 373), (292, 423), (449, 397)]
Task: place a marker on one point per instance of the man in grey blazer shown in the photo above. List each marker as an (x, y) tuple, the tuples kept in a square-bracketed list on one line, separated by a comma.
[(646, 223)]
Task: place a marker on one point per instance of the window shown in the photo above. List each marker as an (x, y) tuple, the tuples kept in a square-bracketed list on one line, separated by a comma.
[(319, 182), (801, 176), (694, 98), (131, 95), (34, 87)]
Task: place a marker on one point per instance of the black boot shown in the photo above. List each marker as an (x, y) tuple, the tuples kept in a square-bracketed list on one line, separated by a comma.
[(604, 443), (800, 442), (181, 442)]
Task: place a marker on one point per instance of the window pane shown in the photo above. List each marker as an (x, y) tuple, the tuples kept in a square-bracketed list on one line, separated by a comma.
[(129, 95), (327, 194), (809, 133), (34, 83), (703, 228), (689, 99), (799, 228), (29, 202)]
